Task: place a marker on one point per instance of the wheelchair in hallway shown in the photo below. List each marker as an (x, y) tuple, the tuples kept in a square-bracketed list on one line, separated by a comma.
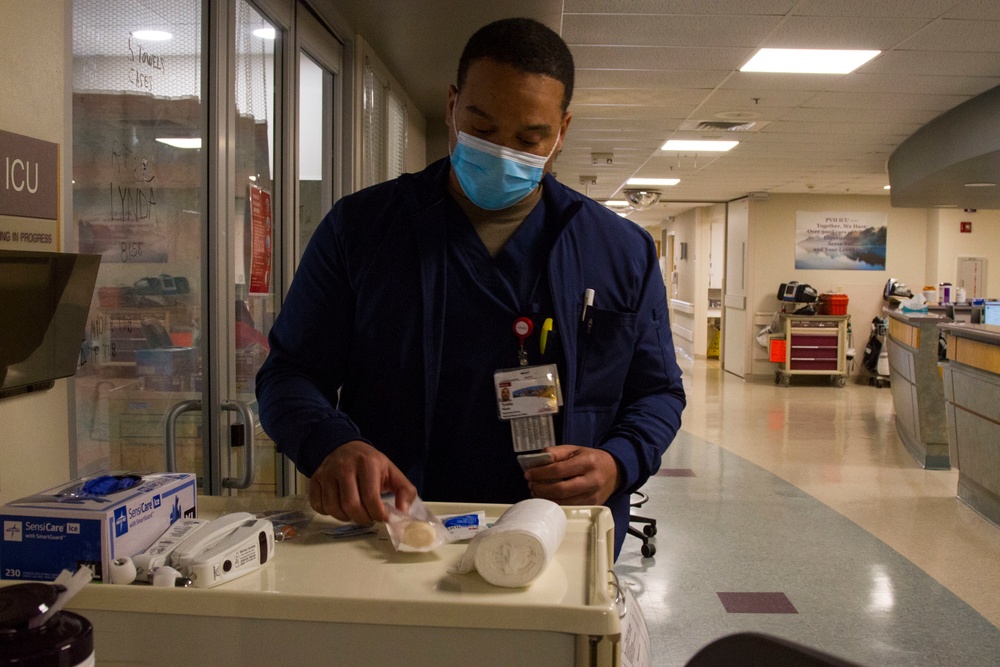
[(648, 529)]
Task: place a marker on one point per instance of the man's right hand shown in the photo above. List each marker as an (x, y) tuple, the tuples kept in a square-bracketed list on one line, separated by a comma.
[(349, 482)]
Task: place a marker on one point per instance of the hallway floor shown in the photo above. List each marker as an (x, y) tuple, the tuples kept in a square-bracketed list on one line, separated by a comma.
[(797, 512)]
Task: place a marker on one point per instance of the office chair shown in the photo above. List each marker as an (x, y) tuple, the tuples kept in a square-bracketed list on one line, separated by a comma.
[(648, 530), (752, 649)]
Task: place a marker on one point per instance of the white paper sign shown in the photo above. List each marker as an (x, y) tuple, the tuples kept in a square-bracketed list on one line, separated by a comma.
[(635, 634)]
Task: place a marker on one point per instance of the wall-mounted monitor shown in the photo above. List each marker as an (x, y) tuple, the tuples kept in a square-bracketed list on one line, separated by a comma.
[(44, 303)]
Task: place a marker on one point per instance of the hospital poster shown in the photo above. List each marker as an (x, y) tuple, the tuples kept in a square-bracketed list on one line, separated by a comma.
[(260, 243), (852, 241)]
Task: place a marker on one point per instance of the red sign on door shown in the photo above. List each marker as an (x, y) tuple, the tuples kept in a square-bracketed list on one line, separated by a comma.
[(966, 227), (261, 241)]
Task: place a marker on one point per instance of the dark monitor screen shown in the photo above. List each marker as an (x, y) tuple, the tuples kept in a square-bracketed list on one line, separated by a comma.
[(44, 303), (991, 313)]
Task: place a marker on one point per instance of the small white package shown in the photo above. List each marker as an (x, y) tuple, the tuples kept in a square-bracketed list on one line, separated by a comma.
[(516, 549), (417, 530)]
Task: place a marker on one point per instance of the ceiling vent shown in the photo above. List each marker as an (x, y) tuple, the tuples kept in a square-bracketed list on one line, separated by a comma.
[(725, 125), (722, 125)]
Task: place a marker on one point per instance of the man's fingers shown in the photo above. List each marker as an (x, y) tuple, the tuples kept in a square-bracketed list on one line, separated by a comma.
[(405, 492), (369, 479), (324, 497)]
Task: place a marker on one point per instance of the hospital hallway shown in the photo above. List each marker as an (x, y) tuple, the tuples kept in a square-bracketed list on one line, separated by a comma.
[(797, 512)]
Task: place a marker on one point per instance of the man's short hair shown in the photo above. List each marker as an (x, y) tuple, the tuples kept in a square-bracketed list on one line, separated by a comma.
[(525, 44)]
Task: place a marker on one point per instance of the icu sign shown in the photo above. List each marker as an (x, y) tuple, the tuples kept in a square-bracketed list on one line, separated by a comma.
[(29, 186)]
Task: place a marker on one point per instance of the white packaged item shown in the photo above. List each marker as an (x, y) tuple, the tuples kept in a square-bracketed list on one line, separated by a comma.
[(519, 546), (416, 530)]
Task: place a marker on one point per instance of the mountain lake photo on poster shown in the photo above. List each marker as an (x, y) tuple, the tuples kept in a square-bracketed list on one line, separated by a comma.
[(848, 241)]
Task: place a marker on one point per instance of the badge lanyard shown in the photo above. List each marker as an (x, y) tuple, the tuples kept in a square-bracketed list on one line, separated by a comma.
[(528, 396)]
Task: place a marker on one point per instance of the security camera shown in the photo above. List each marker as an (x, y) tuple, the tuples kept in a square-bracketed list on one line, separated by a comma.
[(642, 199)]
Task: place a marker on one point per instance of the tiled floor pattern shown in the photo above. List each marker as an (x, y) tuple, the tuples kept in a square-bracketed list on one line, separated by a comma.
[(741, 549)]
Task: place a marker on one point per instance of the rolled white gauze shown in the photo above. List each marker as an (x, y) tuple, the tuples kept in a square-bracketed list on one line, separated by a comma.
[(518, 547)]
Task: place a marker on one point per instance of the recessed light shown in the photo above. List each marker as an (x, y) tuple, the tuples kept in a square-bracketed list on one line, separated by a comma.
[(697, 145), (808, 61), (152, 35), (181, 142), (653, 181), (980, 185), (264, 33)]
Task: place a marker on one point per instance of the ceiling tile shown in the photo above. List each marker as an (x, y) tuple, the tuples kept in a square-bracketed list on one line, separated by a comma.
[(587, 56), (706, 80), (658, 30), (748, 7), (879, 9), (945, 34), (980, 10), (883, 101), (943, 63), (802, 32), (903, 83)]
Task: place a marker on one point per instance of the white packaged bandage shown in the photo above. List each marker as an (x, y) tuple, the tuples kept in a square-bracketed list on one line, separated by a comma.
[(518, 547), (417, 530)]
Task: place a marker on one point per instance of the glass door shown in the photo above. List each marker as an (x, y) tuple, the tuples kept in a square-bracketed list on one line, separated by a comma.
[(139, 201), (185, 168)]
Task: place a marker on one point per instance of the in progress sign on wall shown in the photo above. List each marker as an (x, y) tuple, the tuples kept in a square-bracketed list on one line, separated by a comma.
[(840, 240), (29, 193)]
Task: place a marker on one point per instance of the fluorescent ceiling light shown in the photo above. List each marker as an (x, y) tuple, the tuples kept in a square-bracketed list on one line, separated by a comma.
[(181, 142), (152, 35), (980, 185), (616, 203), (887, 187), (653, 181), (698, 145), (808, 61), (264, 33)]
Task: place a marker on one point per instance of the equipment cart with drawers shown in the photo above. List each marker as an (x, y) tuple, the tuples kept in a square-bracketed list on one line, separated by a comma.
[(815, 345)]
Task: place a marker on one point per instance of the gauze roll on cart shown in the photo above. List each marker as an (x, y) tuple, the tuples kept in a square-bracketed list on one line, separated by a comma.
[(518, 547)]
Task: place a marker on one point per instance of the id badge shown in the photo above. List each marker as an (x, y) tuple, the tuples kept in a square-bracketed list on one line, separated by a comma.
[(531, 391), (527, 398)]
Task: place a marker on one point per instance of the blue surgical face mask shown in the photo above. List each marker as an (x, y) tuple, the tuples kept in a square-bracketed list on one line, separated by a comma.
[(495, 177)]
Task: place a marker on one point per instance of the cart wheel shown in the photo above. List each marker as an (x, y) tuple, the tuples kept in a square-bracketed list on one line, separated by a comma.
[(786, 380), (872, 382), (649, 531), (777, 378), (841, 381), (648, 550)]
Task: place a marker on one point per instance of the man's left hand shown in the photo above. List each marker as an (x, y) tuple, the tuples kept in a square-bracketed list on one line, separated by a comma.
[(576, 476)]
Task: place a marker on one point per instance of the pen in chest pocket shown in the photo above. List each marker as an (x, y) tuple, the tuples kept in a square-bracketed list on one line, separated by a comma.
[(588, 300)]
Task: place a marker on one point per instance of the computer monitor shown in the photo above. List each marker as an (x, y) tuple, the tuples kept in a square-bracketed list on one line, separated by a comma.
[(991, 313)]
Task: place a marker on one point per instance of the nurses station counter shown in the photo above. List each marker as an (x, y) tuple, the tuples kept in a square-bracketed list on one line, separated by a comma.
[(972, 391), (356, 601), (917, 387)]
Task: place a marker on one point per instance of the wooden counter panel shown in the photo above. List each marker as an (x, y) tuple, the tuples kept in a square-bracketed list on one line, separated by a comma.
[(904, 333), (974, 353)]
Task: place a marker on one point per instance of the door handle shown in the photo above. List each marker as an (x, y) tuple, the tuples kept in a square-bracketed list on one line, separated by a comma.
[(248, 432), (170, 430)]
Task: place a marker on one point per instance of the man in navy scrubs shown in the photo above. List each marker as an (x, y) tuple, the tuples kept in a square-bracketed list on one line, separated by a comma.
[(413, 293)]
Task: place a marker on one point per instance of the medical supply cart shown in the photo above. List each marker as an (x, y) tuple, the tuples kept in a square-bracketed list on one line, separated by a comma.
[(356, 601), (814, 345)]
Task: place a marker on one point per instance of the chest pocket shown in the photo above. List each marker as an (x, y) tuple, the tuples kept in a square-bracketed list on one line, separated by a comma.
[(606, 341)]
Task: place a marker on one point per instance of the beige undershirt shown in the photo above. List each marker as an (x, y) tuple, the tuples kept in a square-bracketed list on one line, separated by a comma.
[(494, 227)]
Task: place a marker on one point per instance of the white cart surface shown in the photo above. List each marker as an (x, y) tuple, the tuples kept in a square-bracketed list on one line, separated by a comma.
[(357, 601)]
